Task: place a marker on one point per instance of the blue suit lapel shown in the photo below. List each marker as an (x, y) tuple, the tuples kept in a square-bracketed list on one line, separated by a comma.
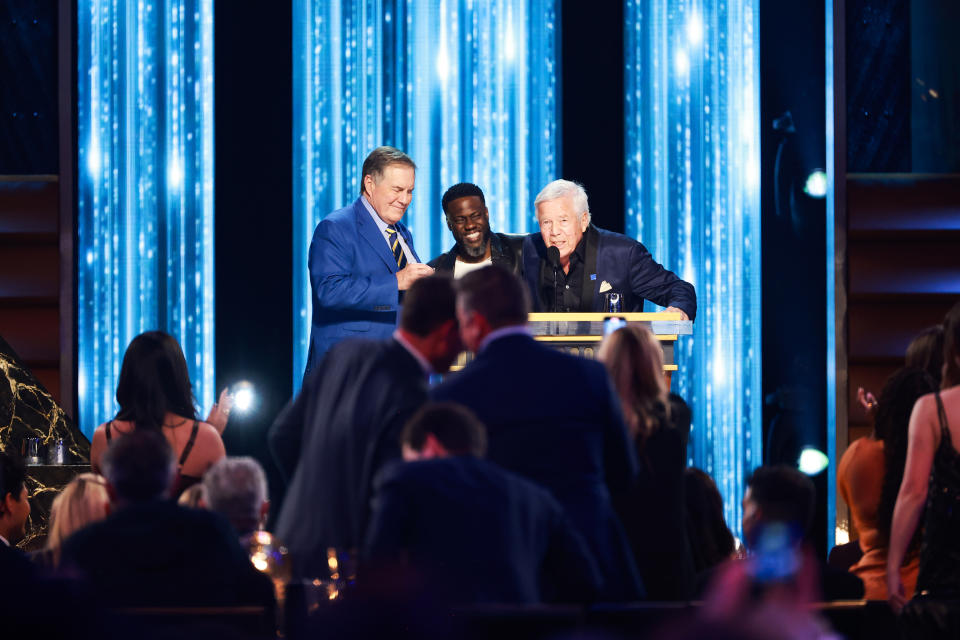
[(370, 232)]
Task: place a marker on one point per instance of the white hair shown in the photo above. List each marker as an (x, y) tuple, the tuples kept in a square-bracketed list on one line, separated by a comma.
[(565, 189), (236, 488)]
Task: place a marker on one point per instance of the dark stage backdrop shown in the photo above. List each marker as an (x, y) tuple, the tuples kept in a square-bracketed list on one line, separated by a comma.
[(793, 230), (591, 111), (253, 203)]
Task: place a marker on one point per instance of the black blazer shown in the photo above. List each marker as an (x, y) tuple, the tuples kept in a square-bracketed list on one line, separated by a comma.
[(161, 554), (332, 439), (505, 250), (478, 533), (621, 262), (554, 419)]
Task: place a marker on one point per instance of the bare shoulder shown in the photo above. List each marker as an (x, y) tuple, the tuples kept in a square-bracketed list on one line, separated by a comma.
[(207, 432)]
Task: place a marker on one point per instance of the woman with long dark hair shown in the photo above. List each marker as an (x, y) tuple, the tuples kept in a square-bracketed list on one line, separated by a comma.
[(653, 512), (711, 541), (869, 476), (931, 486), (154, 392)]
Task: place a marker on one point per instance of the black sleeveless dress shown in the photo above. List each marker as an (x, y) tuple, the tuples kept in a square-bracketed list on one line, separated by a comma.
[(940, 550), (935, 610), (181, 482)]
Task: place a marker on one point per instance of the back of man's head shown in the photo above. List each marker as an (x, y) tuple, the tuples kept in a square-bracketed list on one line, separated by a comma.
[(455, 427), (236, 488), (783, 494), (496, 294), (139, 466), (428, 303)]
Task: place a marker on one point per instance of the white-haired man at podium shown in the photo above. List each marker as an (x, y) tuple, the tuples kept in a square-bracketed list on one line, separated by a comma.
[(572, 265)]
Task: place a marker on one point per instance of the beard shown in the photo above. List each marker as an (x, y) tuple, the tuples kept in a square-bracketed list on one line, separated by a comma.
[(477, 251)]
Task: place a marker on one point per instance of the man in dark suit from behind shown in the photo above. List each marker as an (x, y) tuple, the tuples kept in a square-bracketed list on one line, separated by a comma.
[(550, 416), (150, 551), (476, 532), (465, 210), (344, 426)]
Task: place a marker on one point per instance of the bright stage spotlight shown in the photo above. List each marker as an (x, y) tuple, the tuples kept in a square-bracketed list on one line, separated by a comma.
[(812, 461), (244, 397), (816, 186)]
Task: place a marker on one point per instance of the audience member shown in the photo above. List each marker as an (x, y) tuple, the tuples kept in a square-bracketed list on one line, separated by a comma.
[(333, 438), (869, 476), (479, 533), (83, 501), (192, 497), (551, 417), (154, 393), (925, 352), (14, 511), (152, 552), (710, 539), (236, 488), (931, 477), (634, 358), (778, 509)]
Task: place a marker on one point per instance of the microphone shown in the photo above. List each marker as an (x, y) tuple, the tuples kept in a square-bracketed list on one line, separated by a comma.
[(553, 257)]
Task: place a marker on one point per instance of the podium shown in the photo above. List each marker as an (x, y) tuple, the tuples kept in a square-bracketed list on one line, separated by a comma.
[(582, 333)]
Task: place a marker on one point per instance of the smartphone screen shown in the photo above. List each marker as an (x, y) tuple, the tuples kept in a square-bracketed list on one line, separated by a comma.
[(612, 323)]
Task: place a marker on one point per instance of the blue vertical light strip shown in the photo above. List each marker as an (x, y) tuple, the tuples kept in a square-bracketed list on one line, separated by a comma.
[(145, 189), (692, 115), (467, 88), (831, 56)]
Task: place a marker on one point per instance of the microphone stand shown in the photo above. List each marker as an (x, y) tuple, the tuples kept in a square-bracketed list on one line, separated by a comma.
[(553, 256)]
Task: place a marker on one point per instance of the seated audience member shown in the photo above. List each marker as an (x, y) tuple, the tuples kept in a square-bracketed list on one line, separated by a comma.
[(869, 477), (154, 393), (14, 511), (478, 533), (152, 552), (192, 497), (652, 512), (711, 542), (236, 488), (778, 509), (83, 501), (592, 263), (468, 220), (551, 417)]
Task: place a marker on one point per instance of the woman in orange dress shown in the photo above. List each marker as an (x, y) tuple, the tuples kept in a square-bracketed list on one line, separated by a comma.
[(869, 476)]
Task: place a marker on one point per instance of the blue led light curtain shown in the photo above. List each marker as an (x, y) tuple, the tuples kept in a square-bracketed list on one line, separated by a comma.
[(145, 189), (693, 172), (467, 88)]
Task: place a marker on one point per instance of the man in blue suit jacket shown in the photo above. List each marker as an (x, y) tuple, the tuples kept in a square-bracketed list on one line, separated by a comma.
[(593, 262), (362, 257), (550, 416), (478, 533)]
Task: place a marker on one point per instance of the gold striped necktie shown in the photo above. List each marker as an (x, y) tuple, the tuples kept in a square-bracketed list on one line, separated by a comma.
[(398, 254)]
